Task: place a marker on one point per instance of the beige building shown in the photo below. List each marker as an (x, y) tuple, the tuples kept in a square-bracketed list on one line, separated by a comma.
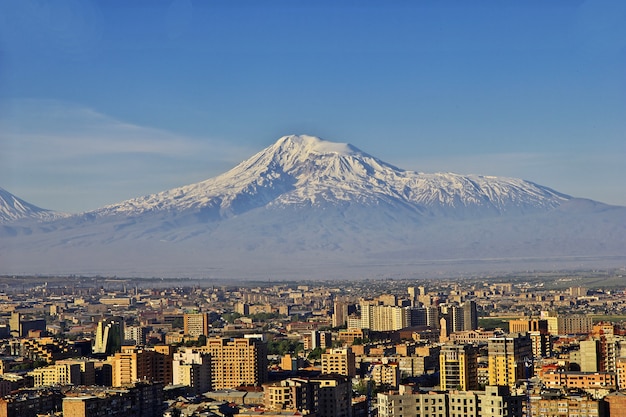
[(136, 364), (57, 374), (386, 374), (574, 324), (324, 396), (493, 402), (237, 362), (566, 406), (196, 324), (339, 361)]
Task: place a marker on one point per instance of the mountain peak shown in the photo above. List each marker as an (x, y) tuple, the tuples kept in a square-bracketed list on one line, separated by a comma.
[(305, 145), (13, 208), (302, 170)]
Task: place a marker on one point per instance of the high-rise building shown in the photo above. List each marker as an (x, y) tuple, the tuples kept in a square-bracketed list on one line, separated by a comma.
[(340, 362), (340, 314), (453, 315), (196, 324), (589, 355), (109, 334), (134, 364), (510, 359), (458, 367), (237, 362), (578, 291), (388, 299), (470, 315), (389, 318), (413, 293), (377, 317)]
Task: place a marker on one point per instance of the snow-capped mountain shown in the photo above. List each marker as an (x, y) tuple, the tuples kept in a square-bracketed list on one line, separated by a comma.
[(13, 209), (309, 208), (310, 172)]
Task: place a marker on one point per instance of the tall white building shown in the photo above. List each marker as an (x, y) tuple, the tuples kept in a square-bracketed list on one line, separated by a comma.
[(192, 368)]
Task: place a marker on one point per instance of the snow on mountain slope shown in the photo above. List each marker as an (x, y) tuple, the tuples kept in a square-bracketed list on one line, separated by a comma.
[(308, 208), (308, 171), (14, 209)]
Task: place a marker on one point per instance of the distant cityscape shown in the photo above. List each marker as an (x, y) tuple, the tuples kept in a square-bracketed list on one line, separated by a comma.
[(533, 345)]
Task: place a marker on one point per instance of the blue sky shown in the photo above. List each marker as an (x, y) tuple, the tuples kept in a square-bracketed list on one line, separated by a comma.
[(101, 101)]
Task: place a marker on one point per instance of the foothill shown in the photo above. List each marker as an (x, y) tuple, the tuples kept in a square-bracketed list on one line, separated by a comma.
[(532, 344)]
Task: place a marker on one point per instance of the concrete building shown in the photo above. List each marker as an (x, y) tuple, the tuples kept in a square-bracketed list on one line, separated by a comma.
[(574, 324), (109, 335), (192, 368), (458, 367), (196, 324), (135, 364), (19, 327), (339, 361), (31, 402), (386, 374), (66, 373), (340, 314), (589, 355), (137, 334), (470, 315), (493, 402), (140, 400), (334, 396), (558, 405), (296, 395), (236, 362), (509, 359)]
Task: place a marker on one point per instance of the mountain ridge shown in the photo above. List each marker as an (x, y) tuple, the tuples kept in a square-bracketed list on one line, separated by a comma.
[(304, 170), (305, 207)]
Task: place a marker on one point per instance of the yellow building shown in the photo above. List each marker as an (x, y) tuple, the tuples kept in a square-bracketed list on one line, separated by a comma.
[(508, 358), (458, 367)]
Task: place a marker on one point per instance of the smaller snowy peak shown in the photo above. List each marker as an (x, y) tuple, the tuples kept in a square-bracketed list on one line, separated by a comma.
[(14, 209)]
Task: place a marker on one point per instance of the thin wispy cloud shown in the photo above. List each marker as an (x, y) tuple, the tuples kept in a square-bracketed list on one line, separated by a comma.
[(70, 150)]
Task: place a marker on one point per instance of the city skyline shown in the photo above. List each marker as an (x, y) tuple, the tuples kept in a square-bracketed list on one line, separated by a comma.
[(101, 102)]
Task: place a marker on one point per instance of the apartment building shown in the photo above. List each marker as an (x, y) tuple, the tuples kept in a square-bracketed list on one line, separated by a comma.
[(237, 361)]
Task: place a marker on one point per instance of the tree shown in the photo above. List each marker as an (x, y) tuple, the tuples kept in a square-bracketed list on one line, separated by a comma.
[(315, 353)]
